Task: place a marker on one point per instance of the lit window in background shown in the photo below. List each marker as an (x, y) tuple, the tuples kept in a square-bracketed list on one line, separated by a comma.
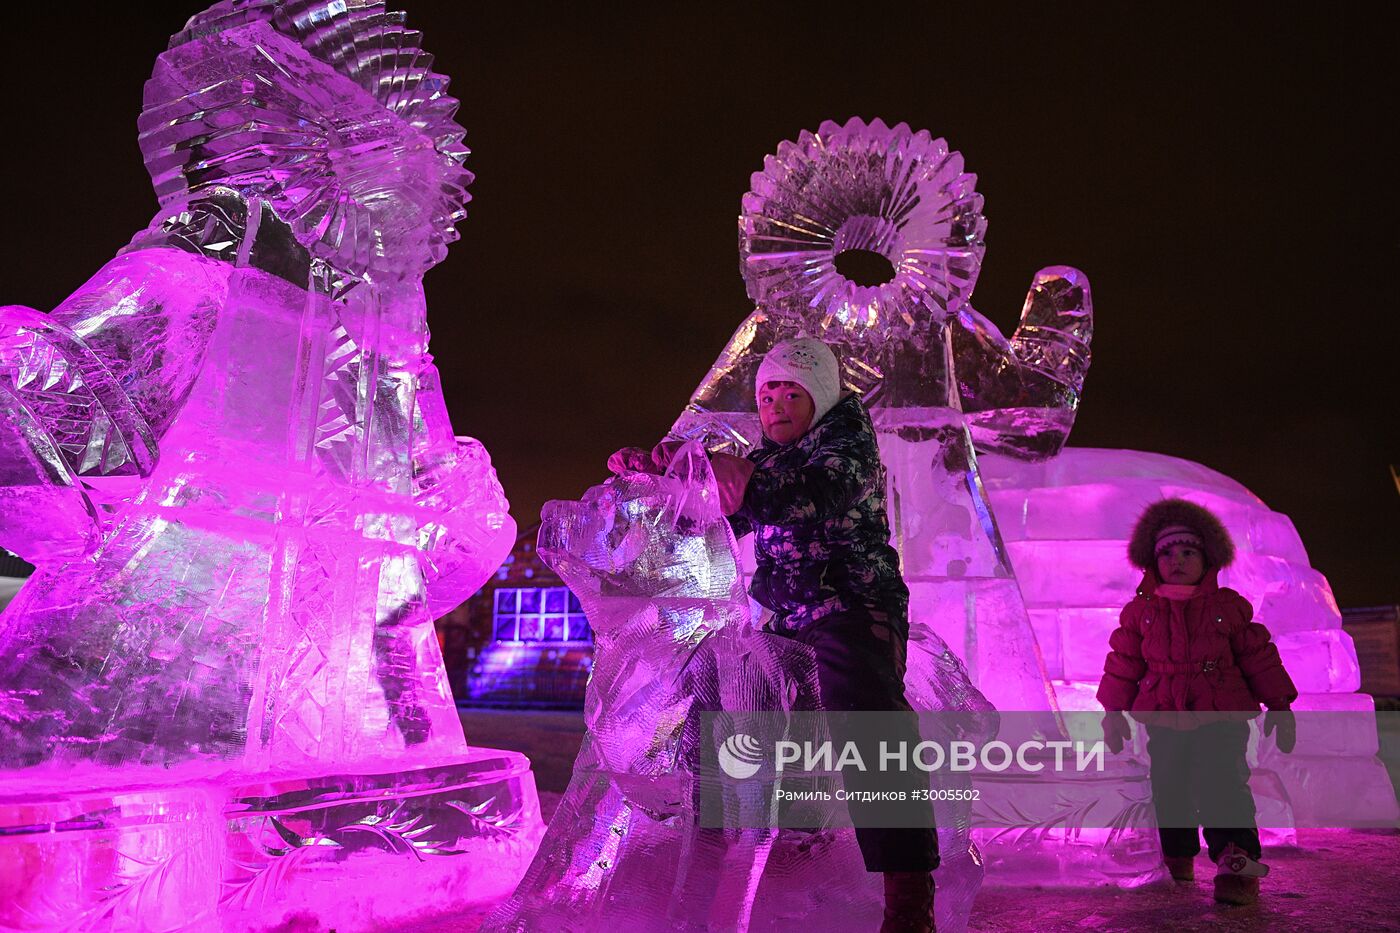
[(551, 614)]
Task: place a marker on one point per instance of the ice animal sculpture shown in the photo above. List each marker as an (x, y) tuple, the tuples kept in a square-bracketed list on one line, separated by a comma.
[(259, 499), (898, 205), (870, 238), (654, 563), (228, 455)]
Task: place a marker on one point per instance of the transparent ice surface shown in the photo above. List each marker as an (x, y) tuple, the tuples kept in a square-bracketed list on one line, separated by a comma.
[(936, 376), (655, 566), (1066, 521), (227, 453), (903, 327), (1020, 395)]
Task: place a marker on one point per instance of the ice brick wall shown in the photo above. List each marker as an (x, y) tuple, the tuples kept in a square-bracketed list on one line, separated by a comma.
[(1066, 522)]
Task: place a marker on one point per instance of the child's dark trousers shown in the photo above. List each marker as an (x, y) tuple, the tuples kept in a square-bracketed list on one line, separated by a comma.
[(1200, 778), (860, 666)]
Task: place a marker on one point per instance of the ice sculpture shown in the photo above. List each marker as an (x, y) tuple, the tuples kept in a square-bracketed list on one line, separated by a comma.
[(655, 566), (870, 239), (1066, 523), (240, 415), (229, 457)]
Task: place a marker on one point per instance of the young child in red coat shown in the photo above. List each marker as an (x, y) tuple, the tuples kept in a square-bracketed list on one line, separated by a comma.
[(1189, 664)]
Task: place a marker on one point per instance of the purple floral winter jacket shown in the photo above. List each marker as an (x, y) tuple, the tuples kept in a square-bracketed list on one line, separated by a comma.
[(821, 535)]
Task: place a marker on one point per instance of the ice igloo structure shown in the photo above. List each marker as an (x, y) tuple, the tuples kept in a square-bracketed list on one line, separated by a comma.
[(1065, 522), (222, 702)]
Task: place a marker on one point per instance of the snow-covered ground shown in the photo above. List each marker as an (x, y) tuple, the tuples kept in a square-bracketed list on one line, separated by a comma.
[(1336, 879)]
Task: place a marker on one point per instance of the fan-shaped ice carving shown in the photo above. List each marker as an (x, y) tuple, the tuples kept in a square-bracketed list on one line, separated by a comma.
[(362, 179)]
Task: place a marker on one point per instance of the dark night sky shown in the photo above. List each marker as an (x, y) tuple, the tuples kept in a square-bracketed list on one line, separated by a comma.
[(1224, 175)]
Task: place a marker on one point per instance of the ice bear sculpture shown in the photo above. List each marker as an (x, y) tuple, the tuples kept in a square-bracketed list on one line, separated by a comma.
[(655, 566)]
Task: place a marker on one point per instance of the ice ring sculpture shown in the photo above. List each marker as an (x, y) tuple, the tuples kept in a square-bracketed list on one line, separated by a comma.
[(903, 198)]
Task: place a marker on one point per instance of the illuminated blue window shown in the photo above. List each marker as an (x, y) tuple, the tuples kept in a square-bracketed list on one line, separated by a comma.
[(539, 614)]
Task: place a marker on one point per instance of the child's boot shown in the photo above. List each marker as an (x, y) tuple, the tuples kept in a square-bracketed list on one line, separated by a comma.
[(1182, 867), (1237, 876), (908, 902)]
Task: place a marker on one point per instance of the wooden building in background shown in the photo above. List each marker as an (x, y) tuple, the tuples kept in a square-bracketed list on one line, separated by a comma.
[(1375, 630)]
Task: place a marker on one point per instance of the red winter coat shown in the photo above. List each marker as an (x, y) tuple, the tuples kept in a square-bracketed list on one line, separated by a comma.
[(1207, 655)]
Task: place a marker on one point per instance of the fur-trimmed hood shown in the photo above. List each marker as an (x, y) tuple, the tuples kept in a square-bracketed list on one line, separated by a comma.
[(1219, 549)]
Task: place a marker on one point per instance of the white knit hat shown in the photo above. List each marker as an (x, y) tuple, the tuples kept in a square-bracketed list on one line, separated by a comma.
[(807, 362)]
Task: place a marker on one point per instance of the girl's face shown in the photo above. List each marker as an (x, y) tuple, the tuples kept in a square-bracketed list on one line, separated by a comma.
[(785, 410), (1181, 563)]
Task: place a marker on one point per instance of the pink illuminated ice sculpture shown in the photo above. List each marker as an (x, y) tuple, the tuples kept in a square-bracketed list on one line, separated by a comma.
[(228, 456), (870, 237)]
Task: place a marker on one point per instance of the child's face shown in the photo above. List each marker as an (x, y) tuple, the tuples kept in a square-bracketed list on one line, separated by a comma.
[(785, 410), (1181, 563)]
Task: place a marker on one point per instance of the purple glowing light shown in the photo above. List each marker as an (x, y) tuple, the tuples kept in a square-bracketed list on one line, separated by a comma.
[(229, 457)]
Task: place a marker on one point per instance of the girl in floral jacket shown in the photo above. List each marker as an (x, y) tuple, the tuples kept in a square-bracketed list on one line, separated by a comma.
[(816, 506), (1189, 663), (813, 495)]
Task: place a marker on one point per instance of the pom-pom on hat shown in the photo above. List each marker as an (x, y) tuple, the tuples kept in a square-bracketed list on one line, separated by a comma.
[(1176, 521), (807, 362)]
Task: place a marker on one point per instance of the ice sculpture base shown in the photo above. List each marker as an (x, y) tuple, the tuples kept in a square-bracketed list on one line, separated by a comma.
[(1042, 831), (347, 851), (1090, 829)]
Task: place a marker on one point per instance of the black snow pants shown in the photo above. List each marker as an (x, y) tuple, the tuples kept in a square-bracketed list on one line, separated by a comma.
[(860, 667), (1200, 778)]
